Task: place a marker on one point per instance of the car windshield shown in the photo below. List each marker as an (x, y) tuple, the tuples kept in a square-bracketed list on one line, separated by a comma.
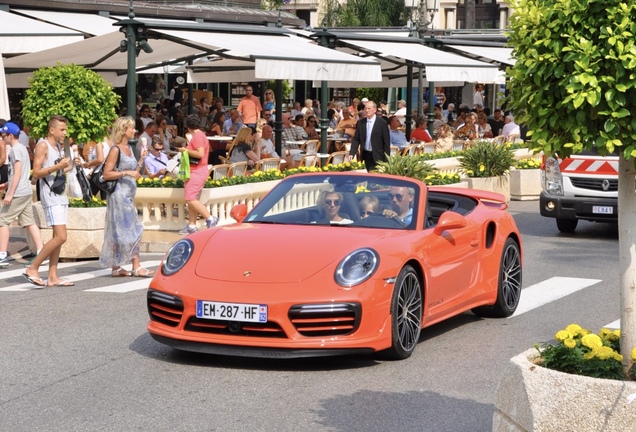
[(338, 200)]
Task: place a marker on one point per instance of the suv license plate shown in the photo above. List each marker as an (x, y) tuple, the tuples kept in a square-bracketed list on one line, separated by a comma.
[(602, 210)]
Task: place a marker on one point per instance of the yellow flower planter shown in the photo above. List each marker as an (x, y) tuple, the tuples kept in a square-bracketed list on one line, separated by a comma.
[(534, 398)]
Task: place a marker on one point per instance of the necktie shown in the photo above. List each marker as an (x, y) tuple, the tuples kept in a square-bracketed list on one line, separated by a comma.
[(367, 142)]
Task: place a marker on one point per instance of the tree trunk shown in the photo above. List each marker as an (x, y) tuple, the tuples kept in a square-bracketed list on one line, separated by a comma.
[(627, 255), (470, 14)]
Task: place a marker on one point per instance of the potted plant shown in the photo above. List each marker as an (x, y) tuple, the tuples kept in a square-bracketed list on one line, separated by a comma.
[(84, 232), (487, 165), (79, 94), (525, 180), (543, 387)]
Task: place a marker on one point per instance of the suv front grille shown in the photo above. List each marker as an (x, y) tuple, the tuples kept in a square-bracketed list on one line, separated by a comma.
[(594, 184)]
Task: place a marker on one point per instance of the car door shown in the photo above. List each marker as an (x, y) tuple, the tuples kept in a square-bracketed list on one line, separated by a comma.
[(451, 260)]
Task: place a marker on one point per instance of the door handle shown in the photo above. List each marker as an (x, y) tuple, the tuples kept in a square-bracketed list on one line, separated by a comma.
[(474, 242)]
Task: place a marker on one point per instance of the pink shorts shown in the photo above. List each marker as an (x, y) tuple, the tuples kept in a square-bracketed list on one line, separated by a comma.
[(195, 184)]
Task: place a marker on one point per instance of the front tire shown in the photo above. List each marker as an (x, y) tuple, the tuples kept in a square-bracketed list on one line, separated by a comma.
[(406, 314), (567, 225), (509, 286)]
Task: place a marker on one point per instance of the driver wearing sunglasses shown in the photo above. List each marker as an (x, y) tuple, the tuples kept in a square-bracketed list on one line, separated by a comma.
[(401, 199)]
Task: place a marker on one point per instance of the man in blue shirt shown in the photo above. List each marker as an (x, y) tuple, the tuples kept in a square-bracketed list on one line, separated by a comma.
[(401, 199), (232, 125), (157, 161), (396, 135)]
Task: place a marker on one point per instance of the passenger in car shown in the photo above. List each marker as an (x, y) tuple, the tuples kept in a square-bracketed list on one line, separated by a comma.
[(369, 205), (329, 204)]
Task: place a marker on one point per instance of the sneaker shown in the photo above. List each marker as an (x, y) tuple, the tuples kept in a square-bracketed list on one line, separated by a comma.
[(212, 221), (188, 230), (28, 263), (4, 262)]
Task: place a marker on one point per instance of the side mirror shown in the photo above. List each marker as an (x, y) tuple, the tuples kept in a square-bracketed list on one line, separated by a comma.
[(449, 220), (239, 212)]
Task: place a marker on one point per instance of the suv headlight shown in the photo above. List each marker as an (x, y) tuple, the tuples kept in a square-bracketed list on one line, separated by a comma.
[(552, 178), (177, 257), (357, 267)]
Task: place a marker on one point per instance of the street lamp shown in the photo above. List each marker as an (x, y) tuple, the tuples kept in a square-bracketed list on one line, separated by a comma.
[(419, 29), (136, 41)]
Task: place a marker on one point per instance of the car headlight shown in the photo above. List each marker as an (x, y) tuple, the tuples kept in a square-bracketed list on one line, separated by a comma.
[(552, 178), (357, 267), (177, 257)]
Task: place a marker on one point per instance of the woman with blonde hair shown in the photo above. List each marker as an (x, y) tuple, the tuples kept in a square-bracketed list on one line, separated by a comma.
[(329, 203), (270, 104), (444, 141), (243, 147), (122, 235)]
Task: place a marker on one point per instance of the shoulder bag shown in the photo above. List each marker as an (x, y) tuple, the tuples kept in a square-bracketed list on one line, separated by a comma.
[(97, 178)]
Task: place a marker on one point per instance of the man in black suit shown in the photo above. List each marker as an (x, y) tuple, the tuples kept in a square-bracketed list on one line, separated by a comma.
[(372, 133)]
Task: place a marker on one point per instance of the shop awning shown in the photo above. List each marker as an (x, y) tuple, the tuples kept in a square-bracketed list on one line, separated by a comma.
[(20, 35), (502, 56), (438, 65), (90, 24)]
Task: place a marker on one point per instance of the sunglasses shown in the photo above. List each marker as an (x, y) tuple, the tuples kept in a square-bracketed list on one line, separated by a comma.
[(367, 213), (268, 93), (332, 202), (398, 197), (267, 115)]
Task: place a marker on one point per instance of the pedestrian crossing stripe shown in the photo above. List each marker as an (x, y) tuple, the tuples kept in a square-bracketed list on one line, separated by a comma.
[(550, 290), (140, 283)]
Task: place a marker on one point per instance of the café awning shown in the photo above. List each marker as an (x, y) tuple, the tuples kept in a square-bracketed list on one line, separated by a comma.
[(20, 35), (438, 65)]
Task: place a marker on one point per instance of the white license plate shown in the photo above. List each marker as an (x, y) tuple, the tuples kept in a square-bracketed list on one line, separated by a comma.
[(602, 210), (232, 311)]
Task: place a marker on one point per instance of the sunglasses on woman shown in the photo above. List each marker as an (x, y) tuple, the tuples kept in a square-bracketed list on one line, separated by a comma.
[(332, 202)]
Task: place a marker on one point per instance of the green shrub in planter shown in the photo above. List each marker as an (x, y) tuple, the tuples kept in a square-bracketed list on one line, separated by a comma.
[(79, 94), (408, 166), (486, 159)]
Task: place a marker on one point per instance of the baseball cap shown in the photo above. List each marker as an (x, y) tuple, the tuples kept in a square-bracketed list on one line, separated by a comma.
[(364, 100), (10, 128)]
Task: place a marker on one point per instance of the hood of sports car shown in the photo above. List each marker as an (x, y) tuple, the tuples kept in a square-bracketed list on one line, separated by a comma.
[(259, 253)]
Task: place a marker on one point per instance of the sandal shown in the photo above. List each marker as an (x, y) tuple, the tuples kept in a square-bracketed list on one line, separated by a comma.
[(143, 272), (120, 272)]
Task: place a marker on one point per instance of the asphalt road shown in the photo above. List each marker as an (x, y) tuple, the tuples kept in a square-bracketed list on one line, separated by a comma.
[(79, 360)]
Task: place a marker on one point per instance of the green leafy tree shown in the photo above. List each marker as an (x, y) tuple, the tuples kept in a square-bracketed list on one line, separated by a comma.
[(574, 85), (364, 13), (79, 94)]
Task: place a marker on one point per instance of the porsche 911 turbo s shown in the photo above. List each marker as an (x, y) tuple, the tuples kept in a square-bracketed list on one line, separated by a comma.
[(338, 263)]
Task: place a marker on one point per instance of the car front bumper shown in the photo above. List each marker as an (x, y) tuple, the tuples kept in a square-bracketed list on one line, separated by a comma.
[(586, 208)]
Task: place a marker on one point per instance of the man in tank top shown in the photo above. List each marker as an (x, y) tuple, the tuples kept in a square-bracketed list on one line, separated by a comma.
[(49, 159)]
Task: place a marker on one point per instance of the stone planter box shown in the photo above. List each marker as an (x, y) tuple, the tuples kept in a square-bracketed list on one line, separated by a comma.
[(84, 231), (494, 184), (533, 398), (525, 184)]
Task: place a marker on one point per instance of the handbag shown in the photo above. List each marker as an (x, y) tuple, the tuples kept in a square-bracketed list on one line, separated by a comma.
[(184, 167), (97, 178), (84, 183), (59, 182)]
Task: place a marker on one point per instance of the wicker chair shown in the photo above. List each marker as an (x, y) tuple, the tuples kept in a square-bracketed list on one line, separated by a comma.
[(217, 172), (267, 164), (308, 161), (237, 169), (337, 158)]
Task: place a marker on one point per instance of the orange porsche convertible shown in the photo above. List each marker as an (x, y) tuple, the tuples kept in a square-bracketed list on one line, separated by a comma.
[(338, 263)]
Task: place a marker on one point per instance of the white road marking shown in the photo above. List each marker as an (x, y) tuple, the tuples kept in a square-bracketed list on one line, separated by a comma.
[(43, 269), (140, 283), (550, 290)]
